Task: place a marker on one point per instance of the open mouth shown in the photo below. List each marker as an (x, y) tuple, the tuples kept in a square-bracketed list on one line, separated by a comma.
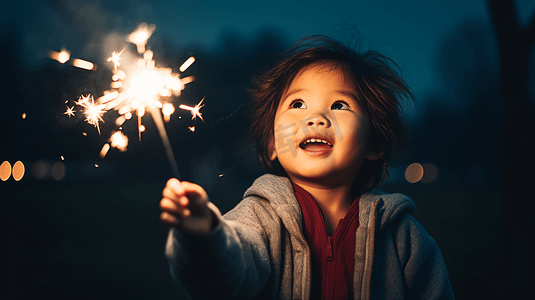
[(315, 144)]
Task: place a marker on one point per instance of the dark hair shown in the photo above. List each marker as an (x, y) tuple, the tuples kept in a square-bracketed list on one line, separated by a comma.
[(379, 89)]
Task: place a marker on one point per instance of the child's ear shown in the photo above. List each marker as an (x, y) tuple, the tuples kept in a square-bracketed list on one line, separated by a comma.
[(374, 152), (273, 153)]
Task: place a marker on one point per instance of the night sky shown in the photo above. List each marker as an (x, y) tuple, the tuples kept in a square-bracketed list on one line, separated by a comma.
[(94, 232)]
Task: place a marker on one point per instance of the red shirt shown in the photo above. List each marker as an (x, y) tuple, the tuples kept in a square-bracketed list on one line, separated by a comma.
[(332, 256)]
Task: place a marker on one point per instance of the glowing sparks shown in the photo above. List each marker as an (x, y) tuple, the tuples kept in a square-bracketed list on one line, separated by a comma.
[(62, 158), (24, 115), (192, 128), (69, 112), (195, 111)]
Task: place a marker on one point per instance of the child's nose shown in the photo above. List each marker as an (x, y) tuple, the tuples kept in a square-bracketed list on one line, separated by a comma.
[(318, 119)]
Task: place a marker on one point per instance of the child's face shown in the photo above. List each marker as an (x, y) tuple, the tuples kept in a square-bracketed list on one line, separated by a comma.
[(321, 105)]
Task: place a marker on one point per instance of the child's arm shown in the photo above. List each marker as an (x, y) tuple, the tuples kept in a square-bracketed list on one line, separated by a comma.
[(210, 257)]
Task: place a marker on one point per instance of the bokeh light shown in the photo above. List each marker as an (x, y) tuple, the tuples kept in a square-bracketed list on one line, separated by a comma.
[(58, 171), (430, 173), (5, 170), (414, 172), (18, 170), (41, 170)]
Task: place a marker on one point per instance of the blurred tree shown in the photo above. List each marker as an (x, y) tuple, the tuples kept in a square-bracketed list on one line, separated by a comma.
[(515, 44)]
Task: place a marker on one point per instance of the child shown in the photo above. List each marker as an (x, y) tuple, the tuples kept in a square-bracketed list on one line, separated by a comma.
[(326, 122)]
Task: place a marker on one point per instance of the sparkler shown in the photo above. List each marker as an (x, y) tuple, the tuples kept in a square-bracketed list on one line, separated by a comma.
[(138, 86)]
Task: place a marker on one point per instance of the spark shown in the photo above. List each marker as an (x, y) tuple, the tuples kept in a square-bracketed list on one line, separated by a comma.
[(93, 113), (104, 150), (69, 112), (195, 111), (62, 158), (115, 57), (192, 128), (186, 64), (83, 64), (24, 115)]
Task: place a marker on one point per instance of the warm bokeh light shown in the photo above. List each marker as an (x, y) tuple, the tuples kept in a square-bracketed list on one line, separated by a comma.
[(430, 173), (18, 170), (414, 172), (58, 171), (24, 115), (5, 170)]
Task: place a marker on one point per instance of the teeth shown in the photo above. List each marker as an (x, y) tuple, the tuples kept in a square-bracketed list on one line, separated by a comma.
[(317, 141)]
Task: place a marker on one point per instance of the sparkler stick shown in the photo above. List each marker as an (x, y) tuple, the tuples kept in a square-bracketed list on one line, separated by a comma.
[(165, 140)]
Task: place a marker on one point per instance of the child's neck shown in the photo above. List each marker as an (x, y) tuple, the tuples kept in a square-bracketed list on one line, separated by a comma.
[(334, 202)]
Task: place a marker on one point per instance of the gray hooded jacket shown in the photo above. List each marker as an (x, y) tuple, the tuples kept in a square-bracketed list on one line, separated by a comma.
[(258, 250)]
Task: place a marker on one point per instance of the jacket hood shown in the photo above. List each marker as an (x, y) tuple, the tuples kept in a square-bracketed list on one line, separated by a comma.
[(279, 191)]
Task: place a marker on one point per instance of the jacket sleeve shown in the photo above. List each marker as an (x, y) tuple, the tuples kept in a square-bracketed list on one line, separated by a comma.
[(424, 269), (231, 262)]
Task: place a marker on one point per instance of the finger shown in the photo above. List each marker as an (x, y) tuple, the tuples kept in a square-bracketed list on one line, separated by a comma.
[(169, 220), (175, 186), (170, 194), (170, 206), (194, 191)]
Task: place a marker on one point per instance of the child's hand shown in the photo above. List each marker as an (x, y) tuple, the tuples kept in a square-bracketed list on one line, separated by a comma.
[(185, 206)]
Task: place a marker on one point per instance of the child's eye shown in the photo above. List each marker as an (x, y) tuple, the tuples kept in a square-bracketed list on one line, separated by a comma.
[(298, 103), (340, 105)]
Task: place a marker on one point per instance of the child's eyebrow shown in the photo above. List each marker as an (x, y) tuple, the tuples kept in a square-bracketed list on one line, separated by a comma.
[(293, 92), (348, 94)]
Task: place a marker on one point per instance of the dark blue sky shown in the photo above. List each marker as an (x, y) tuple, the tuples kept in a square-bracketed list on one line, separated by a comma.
[(410, 32)]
